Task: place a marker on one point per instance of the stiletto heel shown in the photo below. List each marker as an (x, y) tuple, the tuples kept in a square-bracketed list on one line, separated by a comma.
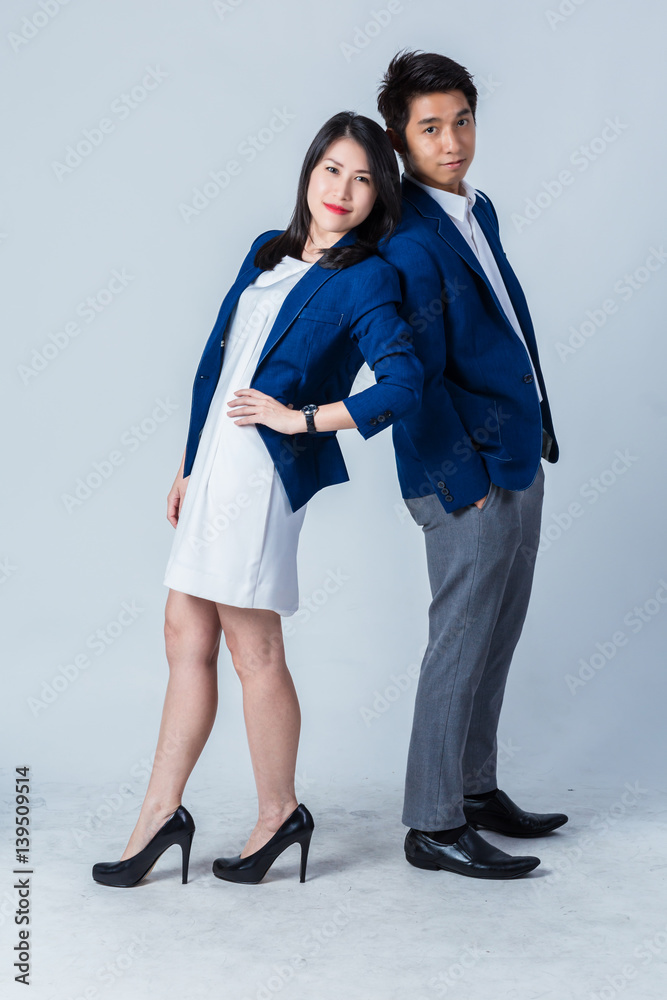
[(179, 829), (297, 829), (186, 844), (305, 844)]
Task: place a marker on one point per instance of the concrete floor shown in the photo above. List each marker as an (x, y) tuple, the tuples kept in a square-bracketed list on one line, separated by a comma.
[(590, 922)]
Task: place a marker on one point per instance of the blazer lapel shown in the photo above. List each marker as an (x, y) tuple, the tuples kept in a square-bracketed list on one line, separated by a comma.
[(231, 298), (429, 208), (299, 295), (514, 290)]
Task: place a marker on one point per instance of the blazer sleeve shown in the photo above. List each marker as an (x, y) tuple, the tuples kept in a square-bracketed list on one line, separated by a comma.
[(436, 431), (385, 341)]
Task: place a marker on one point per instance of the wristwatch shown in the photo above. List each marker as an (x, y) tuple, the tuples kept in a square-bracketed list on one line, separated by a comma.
[(310, 410)]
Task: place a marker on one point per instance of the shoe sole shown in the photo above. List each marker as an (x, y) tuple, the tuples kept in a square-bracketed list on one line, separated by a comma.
[(432, 867), (521, 836), (238, 881)]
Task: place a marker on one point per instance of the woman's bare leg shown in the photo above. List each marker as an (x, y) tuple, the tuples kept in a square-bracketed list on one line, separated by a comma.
[(192, 639), (271, 710)]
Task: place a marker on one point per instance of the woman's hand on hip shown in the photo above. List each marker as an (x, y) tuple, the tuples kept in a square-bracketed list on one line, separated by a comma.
[(254, 407)]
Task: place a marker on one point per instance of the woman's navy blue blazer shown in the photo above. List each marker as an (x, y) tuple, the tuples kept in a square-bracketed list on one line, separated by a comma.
[(331, 321)]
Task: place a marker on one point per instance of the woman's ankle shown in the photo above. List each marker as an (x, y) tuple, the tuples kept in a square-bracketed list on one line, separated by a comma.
[(153, 811), (272, 817)]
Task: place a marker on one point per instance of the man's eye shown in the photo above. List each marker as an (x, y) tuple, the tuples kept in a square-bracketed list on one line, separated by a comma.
[(431, 129), (462, 121)]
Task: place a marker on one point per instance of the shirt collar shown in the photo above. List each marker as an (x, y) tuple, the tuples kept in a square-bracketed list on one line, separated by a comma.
[(455, 205)]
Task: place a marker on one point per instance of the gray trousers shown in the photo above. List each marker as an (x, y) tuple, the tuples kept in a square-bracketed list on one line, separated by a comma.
[(480, 565)]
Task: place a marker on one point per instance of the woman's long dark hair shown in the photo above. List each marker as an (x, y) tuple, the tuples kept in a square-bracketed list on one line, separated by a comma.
[(383, 217)]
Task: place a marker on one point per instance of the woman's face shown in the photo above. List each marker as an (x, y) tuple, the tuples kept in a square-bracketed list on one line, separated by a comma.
[(341, 191)]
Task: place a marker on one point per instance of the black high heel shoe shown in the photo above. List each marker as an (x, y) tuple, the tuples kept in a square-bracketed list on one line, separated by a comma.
[(297, 829), (179, 829)]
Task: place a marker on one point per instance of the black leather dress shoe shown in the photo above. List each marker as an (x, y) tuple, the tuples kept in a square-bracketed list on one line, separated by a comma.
[(502, 815), (470, 855)]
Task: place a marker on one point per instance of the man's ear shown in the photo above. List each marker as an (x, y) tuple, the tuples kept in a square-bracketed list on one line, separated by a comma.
[(396, 141)]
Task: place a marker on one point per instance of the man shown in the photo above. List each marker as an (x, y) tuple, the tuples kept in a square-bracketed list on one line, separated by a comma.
[(469, 465)]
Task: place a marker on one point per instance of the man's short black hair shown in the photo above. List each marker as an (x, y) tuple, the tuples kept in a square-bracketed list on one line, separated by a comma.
[(411, 74)]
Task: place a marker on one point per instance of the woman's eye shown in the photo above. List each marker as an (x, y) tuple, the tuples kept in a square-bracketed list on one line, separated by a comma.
[(364, 179), (334, 169)]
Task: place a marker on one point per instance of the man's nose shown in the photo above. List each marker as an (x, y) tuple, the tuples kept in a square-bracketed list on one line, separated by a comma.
[(450, 141)]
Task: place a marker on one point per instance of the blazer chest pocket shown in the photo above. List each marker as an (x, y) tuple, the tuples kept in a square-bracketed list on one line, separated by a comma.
[(317, 315)]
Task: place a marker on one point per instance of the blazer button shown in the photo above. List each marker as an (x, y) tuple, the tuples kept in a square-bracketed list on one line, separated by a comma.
[(382, 418), (441, 485), (388, 413), (372, 421), (528, 378), (449, 498)]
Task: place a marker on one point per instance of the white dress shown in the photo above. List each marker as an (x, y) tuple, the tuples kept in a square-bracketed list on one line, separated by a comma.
[(237, 537)]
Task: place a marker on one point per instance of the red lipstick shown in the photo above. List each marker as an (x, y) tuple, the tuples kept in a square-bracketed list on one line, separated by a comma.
[(336, 209)]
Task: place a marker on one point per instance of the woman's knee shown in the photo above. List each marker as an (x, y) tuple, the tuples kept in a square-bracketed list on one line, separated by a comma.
[(186, 628), (255, 655)]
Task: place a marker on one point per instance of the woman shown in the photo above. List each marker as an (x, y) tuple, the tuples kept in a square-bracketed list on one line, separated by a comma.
[(309, 305)]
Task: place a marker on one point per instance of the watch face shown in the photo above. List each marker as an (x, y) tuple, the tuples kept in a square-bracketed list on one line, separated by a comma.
[(310, 408)]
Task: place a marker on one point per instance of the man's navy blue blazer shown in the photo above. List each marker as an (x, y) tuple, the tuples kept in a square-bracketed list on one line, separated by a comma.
[(330, 322), (480, 419)]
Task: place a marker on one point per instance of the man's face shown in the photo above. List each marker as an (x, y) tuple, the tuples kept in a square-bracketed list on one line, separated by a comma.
[(440, 136)]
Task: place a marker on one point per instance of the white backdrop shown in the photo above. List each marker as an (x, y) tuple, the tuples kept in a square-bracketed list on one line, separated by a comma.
[(117, 247)]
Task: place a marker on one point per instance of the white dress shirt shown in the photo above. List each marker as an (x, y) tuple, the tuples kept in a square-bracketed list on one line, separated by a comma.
[(459, 209)]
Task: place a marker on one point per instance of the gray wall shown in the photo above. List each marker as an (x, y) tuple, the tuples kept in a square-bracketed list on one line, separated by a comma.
[(82, 382)]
